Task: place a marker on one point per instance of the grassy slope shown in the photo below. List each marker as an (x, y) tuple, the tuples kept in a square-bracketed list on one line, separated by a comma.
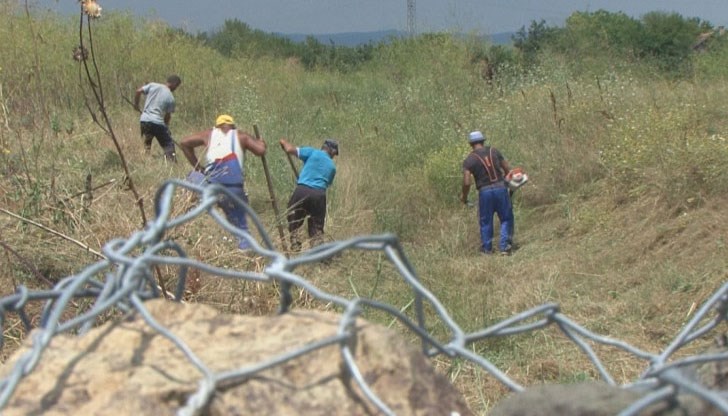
[(626, 259)]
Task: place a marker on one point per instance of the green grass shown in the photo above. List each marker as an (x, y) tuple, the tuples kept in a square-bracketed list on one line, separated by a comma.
[(622, 221)]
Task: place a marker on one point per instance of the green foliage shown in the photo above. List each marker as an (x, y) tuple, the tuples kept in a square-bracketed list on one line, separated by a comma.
[(491, 59), (442, 173), (664, 40), (575, 378), (668, 38), (35, 71), (313, 54), (669, 148), (237, 39), (711, 63), (530, 42), (599, 33)]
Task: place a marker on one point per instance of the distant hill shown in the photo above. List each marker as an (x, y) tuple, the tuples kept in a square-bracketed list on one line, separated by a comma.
[(504, 38), (351, 39)]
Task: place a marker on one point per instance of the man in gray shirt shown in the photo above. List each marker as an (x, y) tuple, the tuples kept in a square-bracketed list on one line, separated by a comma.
[(157, 113)]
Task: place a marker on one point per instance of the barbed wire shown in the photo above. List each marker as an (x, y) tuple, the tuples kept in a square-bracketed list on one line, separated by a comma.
[(124, 280)]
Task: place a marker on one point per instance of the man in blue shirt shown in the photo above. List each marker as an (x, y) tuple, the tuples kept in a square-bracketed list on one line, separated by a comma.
[(309, 197), (157, 113)]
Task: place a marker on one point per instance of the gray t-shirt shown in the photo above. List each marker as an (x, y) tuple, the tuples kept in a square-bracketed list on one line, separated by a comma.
[(159, 102)]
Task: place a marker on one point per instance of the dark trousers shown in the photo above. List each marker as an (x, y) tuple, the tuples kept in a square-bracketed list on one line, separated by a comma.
[(305, 203), (163, 136)]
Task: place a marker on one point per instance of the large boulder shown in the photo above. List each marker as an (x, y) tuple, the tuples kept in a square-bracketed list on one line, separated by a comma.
[(601, 399), (128, 368), (581, 399)]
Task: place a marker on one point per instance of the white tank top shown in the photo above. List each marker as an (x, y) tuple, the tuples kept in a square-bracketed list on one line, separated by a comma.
[(222, 144)]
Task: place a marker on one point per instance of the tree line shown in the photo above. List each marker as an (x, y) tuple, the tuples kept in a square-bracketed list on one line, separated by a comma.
[(665, 40), (236, 38)]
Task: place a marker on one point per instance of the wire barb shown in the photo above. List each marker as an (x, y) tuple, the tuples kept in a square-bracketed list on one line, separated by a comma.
[(122, 280)]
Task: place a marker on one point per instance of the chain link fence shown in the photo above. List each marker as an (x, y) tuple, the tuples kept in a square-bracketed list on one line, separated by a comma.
[(125, 279)]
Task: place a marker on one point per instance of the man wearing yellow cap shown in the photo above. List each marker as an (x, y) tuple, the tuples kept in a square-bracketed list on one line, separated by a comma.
[(223, 164)]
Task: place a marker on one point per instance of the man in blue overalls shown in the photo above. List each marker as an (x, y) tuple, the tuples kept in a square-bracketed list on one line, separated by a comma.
[(223, 164)]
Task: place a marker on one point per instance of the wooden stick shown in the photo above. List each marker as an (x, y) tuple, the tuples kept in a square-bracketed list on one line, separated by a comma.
[(290, 161), (54, 232), (66, 199), (274, 202)]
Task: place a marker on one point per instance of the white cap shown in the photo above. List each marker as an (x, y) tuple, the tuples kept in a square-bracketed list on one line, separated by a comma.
[(476, 136)]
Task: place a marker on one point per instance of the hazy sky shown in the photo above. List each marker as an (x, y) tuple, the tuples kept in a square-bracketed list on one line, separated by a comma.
[(335, 16)]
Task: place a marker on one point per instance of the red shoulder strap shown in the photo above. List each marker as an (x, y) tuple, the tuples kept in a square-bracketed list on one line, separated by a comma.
[(488, 164)]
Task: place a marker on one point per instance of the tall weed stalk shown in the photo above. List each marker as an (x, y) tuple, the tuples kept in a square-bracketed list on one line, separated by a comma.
[(92, 75)]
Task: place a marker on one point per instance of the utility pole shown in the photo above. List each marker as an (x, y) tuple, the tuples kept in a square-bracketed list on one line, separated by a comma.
[(411, 17)]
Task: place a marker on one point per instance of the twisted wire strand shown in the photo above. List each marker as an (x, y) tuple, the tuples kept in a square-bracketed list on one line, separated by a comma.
[(123, 281)]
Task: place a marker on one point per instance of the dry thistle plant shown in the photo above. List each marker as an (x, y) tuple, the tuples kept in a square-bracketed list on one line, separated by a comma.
[(91, 8), (90, 73)]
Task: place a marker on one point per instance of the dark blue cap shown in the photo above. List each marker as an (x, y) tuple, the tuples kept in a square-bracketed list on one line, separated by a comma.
[(333, 145)]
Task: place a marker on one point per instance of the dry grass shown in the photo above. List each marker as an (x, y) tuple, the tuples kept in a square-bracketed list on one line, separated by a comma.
[(631, 268), (631, 263)]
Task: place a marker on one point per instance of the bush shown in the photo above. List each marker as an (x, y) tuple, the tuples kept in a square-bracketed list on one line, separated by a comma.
[(443, 170)]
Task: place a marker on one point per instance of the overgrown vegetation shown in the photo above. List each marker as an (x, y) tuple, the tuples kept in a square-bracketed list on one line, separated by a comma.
[(665, 40), (620, 123)]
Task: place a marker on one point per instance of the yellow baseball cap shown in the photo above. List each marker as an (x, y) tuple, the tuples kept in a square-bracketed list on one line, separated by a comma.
[(224, 119)]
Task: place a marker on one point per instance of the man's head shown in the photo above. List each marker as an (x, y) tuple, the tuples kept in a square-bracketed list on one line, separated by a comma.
[(225, 122), (476, 137), (173, 81), (331, 146)]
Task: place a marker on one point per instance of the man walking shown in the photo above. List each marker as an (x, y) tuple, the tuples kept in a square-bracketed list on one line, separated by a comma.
[(309, 197), (490, 169), (157, 113), (223, 164)]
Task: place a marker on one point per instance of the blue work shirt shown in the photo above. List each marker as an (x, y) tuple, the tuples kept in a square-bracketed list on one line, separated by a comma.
[(318, 168)]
